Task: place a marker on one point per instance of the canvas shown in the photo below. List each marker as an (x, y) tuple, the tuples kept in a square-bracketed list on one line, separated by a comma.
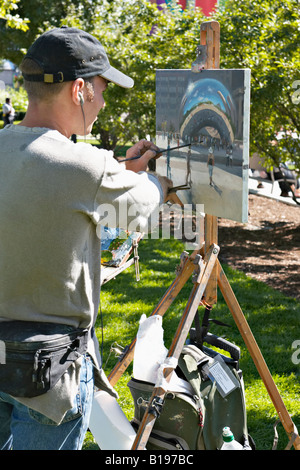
[(208, 113)]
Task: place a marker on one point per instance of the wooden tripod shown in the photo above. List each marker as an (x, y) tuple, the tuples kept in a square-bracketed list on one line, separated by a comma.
[(209, 275)]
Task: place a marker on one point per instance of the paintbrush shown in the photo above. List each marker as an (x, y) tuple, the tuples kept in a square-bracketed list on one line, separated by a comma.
[(157, 152)]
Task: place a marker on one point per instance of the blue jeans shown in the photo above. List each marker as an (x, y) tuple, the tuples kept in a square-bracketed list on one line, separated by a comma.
[(22, 428)]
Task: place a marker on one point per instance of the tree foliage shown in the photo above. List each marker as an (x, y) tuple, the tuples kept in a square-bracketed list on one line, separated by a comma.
[(42, 15), (10, 17), (262, 35)]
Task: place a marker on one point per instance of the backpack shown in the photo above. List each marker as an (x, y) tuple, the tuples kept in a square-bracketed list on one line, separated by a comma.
[(194, 419)]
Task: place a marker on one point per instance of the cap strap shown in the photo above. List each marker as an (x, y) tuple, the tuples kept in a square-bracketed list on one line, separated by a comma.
[(46, 77)]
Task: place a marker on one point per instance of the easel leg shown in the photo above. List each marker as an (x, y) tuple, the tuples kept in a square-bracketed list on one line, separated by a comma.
[(256, 354), (210, 237)]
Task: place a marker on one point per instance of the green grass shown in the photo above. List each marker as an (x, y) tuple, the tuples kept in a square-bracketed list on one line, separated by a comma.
[(272, 317)]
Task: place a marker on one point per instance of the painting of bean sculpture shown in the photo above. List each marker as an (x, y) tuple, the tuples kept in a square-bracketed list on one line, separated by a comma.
[(206, 115)]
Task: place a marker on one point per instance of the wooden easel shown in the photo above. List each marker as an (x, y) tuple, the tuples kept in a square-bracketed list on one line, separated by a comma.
[(209, 274)]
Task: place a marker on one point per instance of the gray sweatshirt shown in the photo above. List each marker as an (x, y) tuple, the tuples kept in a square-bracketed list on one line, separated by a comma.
[(52, 193)]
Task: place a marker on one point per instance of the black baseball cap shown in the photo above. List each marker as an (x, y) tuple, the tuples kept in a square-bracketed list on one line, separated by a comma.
[(65, 54)]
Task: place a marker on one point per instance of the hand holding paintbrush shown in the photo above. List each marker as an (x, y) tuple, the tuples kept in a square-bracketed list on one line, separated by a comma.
[(138, 156), (158, 153), (137, 159)]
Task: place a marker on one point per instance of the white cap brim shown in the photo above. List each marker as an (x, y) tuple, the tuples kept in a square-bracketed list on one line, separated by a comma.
[(115, 76)]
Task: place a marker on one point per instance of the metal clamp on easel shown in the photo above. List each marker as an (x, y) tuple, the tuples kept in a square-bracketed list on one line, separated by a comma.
[(156, 406), (136, 259), (201, 58), (198, 262), (179, 188), (183, 259), (172, 195)]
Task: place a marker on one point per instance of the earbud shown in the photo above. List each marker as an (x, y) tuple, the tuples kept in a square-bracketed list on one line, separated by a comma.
[(81, 97)]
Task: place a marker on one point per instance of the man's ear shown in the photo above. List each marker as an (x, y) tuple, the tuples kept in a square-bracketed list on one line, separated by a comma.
[(77, 91)]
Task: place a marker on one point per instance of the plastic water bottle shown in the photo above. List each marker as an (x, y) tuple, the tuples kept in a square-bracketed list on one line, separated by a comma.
[(229, 443)]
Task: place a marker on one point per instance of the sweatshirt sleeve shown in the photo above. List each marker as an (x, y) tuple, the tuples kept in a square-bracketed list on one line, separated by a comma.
[(126, 199)]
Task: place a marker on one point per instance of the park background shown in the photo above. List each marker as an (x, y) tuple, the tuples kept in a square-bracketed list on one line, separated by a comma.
[(262, 35)]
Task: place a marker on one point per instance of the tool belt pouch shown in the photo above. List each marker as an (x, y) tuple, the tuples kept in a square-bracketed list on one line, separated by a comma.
[(35, 355)]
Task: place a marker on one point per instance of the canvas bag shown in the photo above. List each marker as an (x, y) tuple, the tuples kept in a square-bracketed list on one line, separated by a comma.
[(194, 421), (35, 355)]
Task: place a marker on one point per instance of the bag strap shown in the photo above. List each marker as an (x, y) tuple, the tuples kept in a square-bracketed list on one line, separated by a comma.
[(190, 363), (293, 435), (202, 330)]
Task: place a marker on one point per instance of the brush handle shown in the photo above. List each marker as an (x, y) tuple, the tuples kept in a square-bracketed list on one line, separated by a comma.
[(158, 151)]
